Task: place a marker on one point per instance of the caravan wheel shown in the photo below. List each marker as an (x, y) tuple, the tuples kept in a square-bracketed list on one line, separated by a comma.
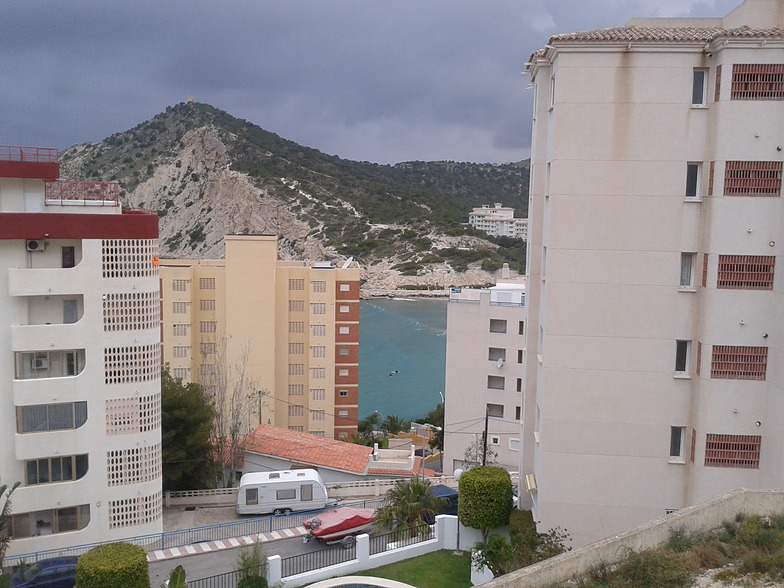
[(349, 541)]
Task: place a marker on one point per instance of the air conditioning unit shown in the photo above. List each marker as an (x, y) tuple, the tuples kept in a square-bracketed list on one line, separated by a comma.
[(40, 361), (36, 244)]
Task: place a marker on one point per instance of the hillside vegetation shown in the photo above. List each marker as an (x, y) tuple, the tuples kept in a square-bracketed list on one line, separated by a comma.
[(208, 173)]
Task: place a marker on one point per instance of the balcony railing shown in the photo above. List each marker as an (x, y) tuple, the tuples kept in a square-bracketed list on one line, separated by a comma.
[(33, 154), (63, 191)]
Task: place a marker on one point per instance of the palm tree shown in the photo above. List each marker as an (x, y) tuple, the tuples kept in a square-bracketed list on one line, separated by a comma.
[(394, 424), (410, 504), (5, 519)]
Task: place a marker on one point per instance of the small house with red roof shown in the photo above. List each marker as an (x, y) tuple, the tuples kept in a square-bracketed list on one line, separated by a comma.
[(270, 448)]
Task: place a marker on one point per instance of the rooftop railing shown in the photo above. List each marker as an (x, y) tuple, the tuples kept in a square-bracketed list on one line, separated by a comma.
[(64, 191), (33, 154)]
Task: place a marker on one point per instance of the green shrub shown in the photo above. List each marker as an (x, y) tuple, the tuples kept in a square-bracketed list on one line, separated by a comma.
[(114, 565), (727, 575), (657, 568), (680, 541), (485, 498), (251, 567)]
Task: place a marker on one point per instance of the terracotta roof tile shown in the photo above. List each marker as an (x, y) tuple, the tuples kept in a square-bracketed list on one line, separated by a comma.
[(308, 449), (631, 33)]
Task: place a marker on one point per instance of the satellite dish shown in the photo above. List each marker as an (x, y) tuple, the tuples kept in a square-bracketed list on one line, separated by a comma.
[(347, 263), (500, 362), (457, 473)]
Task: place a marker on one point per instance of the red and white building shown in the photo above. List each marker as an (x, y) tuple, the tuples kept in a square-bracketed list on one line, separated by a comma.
[(80, 409)]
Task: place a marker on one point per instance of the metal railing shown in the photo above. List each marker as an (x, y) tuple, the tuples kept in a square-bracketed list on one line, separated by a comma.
[(401, 538), (63, 191), (227, 580), (34, 154), (307, 562)]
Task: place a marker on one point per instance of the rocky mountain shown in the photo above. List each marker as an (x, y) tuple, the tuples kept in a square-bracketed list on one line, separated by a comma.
[(208, 174)]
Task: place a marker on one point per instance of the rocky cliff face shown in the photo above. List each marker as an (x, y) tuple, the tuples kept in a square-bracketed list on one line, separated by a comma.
[(184, 165)]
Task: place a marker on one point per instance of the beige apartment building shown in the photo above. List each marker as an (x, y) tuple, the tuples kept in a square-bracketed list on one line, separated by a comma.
[(654, 370), (277, 341)]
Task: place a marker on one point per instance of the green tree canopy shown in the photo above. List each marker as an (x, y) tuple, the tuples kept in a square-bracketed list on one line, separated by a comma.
[(409, 505), (187, 418), (5, 518), (436, 417), (485, 498)]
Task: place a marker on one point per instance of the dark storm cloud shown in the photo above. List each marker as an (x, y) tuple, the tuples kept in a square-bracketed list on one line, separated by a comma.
[(382, 81)]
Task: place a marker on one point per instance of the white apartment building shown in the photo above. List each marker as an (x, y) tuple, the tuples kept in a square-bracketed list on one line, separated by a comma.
[(484, 356), (80, 421), (498, 221), (653, 369)]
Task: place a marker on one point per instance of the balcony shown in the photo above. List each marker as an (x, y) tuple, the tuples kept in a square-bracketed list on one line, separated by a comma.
[(29, 162), (68, 193)]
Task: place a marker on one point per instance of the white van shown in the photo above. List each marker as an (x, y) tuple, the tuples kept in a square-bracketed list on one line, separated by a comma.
[(281, 492)]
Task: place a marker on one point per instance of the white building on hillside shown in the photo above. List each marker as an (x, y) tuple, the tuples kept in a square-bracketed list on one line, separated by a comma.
[(80, 420), (654, 371), (498, 221), (484, 356)]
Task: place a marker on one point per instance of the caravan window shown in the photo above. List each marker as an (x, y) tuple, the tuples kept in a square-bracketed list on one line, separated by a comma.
[(306, 492), (251, 495), (286, 494)]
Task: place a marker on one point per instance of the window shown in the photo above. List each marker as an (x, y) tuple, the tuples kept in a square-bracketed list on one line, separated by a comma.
[(344, 287), (180, 307), (208, 326), (717, 90), (521, 327), (180, 351), (50, 417), (298, 428), (319, 286), (732, 451), (344, 330), (55, 469), (180, 330), (514, 444), (495, 440), (68, 256), (58, 520), (342, 393), (296, 410), (342, 350), (497, 326), (207, 370), (206, 305), (752, 178), (296, 305), (344, 308), (495, 382), (757, 81), (698, 87), (552, 91), (518, 412), (739, 362), (296, 389), (682, 356), (206, 283), (306, 492), (318, 433), (318, 330), (296, 284), (318, 393), (692, 180), (318, 373), (286, 494), (343, 414), (318, 308), (70, 312), (179, 285), (296, 327), (296, 348), (746, 272), (519, 356), (343, 372), (519, 387), (251, 495), (296, 369), (496, 353), (317, 415), (677, 439), (495, 410), (687, 269), (181, 373)]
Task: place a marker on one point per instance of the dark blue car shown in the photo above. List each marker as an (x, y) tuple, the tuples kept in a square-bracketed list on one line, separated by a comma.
[(58, 572)]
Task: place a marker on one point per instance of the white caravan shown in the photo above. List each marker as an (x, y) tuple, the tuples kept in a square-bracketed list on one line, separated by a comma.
[(281, 492)]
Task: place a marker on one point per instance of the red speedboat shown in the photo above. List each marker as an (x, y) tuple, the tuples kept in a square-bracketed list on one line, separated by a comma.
[(340, 525)]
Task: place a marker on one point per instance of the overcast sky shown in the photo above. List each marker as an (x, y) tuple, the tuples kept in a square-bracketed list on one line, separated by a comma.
[(383, 81)]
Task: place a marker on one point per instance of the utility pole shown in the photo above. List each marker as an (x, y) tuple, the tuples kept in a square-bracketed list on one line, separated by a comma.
[(484, 439)]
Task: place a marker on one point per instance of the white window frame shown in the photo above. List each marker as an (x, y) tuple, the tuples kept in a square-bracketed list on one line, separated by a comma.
[(688, 265), (682, 352), (693, 179), (677, 445), (699, 88)]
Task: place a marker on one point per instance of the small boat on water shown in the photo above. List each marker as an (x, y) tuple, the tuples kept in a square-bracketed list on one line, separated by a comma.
[(340, 525)]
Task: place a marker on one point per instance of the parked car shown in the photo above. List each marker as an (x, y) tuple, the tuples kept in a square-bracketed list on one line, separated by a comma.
[(57, 572)]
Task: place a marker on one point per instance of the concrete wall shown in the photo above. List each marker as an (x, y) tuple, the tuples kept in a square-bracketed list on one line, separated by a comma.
[(702, 517)]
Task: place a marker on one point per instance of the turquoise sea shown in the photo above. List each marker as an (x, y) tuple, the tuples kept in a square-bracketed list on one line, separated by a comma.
[(402, 354)]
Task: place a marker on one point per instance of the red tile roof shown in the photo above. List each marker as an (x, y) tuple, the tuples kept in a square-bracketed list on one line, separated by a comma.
[(308, 449), (415, 471)]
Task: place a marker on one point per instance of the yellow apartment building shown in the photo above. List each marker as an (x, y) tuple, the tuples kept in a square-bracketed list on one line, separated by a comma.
[(276, 341)]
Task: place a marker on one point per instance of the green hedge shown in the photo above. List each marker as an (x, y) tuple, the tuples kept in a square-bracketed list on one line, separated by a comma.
[(114, 565), (485, 498)]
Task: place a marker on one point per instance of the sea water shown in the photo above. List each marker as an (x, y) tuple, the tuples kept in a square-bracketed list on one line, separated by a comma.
[(402, 354)]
